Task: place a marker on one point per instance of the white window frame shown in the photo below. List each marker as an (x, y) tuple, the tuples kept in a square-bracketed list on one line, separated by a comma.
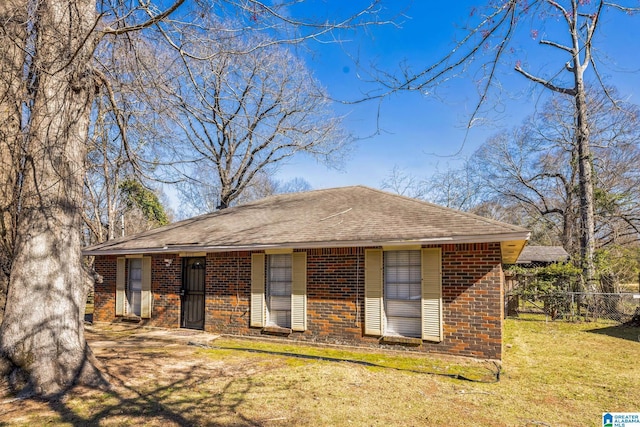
[(279, 286), (134, 287), (402, 293), (123, 288), (260, 295), (431, 297)]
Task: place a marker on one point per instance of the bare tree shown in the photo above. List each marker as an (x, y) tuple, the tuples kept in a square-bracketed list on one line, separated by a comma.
[(48, 47), (241, 114), (46, 259), (534, 169), (457, 189), (49, 76), (581, 26), (490, 39), (533, 177), (401, 182), (107, 163), (128, 118), (201, 194)]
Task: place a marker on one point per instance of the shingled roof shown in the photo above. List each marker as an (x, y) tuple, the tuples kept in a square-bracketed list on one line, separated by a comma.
[(542, 254), (338, 217)]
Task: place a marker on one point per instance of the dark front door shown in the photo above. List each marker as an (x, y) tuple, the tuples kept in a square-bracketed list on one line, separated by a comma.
[(193, 272)]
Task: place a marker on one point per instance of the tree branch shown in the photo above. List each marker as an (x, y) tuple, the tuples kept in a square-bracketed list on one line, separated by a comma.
[(547, 84), (557, 45), (152, 21)]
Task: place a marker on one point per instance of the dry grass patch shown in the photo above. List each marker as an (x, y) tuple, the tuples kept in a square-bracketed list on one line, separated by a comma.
[(555, 373)]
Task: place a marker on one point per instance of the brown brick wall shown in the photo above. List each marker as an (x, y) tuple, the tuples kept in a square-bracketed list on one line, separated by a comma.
[(165, 285), (228, 292), (335, 295), (472, 302), (166, 279), (104, 298)]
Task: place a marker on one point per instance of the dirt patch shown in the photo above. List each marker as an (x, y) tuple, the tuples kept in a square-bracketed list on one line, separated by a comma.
[(157, 380)]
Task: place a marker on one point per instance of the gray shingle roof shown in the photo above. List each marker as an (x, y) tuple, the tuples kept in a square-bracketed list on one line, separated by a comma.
[(357, 216), (546, 254)]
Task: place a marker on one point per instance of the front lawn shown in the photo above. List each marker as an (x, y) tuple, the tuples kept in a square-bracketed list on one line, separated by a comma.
[(554, 373)]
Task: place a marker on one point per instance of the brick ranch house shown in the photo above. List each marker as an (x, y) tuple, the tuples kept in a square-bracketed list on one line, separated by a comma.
[(349, 265)]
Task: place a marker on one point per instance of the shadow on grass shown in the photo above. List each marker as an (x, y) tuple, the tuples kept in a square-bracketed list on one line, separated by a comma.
[(527, 317), (176, 403), (488, 375), (625, 332)]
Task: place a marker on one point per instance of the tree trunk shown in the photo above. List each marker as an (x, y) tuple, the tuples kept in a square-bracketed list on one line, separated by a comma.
[(42, 334), (12, 35), (585, 183), (568, 221), (570, 216)]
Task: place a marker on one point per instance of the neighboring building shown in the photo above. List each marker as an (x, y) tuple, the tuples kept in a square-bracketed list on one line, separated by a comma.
[(540, 256), (347, 265), (530, 258)]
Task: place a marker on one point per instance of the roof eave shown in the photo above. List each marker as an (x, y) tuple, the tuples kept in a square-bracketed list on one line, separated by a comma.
[(520, 237)]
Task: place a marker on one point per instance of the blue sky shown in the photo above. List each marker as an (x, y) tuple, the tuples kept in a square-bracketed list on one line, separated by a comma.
[(421, 133)]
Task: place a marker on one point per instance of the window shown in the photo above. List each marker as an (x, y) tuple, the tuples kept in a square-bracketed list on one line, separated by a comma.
[(133, 287), (403, 295), (279, 290)]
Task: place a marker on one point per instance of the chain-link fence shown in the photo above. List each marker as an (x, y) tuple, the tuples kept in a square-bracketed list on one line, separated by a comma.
[(618, 307)]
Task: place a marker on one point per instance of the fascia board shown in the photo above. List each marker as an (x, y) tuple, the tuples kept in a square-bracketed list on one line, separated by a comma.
[(483, 238)]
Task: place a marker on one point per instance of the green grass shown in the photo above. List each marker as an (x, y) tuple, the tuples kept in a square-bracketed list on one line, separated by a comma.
[(301, 355), (571, 372), (554, 373)]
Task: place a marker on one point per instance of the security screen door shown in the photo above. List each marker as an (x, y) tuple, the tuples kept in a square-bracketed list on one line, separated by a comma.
[(193, 293)]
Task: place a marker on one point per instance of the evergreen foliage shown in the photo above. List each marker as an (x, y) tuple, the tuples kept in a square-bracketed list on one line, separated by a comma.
[(137, 195)]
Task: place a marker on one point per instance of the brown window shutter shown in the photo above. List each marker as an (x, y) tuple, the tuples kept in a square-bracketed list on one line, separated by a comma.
[(258, 306), (299, 291), (120, 285), (432, 294), (373, 283), (146, 297)]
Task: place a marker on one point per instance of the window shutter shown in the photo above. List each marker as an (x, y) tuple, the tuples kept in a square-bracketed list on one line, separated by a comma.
[(432, 294), (299, 291), (120, 285), (257, 290), (146, 298), (373, 292)]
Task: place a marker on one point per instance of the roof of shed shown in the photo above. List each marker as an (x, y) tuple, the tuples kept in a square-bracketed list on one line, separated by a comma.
[(346, 216), (546, 254)]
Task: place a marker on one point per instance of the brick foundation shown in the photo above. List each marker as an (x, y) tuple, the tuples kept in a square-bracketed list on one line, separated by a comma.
[(471, 291)]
